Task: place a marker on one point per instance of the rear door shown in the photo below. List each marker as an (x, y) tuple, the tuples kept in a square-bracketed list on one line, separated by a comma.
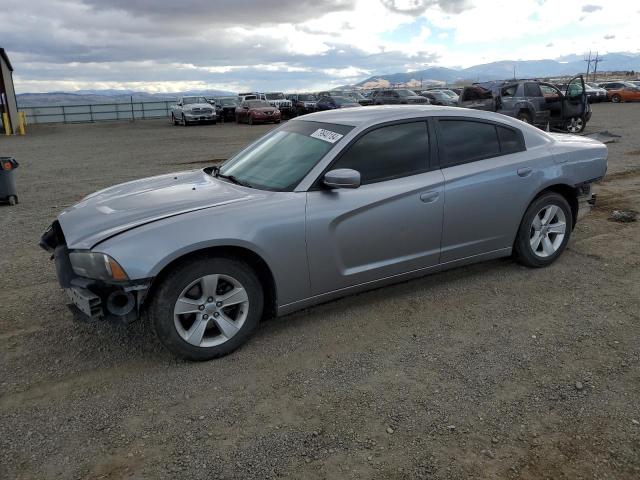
[(535, 98), (489, 180), (575, 99), (390, 225)]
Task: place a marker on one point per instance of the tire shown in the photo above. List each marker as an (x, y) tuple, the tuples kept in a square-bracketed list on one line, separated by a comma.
[(183, 288), (525, 117), (174, 120), (250, 120), (535, 231), (184, 121), (237, 119), (13, 200), (616, 98), (575, 125)]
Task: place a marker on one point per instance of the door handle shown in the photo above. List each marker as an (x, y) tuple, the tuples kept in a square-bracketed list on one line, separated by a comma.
[(524, 172), (429, 197)]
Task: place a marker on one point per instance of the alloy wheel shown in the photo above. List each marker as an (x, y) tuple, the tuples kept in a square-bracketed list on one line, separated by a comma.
[(547, 231), (211, 310), (575, 125)]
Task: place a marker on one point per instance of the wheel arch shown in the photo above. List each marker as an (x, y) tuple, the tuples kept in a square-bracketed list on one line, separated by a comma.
[(569, 193), (254, 260)]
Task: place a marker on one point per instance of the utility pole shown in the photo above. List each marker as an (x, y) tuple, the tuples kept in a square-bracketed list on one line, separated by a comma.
[(596, 60), (588, 60), (514, 71)]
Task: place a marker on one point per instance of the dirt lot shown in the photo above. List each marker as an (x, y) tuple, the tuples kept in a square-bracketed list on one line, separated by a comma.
[(487, 371)]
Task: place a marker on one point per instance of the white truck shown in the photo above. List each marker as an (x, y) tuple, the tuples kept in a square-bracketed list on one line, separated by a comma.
[(193, 110)]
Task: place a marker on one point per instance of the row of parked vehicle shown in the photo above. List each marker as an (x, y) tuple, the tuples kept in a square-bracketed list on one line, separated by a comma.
[(553, 106)]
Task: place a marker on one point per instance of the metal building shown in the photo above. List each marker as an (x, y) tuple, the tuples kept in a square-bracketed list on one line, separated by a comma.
[(8, 102)]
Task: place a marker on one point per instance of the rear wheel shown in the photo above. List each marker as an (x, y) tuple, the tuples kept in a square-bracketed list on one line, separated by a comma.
[(207, 307), (616, 98), (525, 117), (545, 230)]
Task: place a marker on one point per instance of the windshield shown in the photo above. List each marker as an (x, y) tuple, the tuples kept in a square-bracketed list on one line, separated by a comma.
[(257, 104), (280, 160), (406, 93), (274, 96), (191, 100), (307, 98), (342, 100), (225, 101)]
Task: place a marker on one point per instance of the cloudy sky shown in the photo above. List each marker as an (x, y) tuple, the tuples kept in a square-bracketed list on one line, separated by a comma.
[(172, 45)]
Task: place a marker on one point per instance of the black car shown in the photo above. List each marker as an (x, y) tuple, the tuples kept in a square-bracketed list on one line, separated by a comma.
[(400, 96), (226, 108), (303, 102), (331, 103)]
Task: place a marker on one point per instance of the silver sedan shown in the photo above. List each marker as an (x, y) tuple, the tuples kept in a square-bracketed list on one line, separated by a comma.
[(326, 205)]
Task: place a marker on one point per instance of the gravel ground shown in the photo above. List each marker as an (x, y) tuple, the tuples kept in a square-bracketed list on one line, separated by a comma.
[(487, 371)]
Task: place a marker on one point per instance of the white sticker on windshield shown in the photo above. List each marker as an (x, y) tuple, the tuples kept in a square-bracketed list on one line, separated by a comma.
[(326, 135)]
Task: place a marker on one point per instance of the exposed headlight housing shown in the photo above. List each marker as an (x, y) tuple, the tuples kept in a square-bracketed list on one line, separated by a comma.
[(97, 266)]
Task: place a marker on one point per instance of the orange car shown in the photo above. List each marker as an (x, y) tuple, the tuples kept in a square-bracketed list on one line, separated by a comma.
[(621, 91)]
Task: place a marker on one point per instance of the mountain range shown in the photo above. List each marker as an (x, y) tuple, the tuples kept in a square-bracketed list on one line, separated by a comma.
[(568, 65)]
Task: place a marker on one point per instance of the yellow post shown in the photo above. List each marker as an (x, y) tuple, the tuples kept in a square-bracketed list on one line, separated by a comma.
[(5, 122), (22, 123)]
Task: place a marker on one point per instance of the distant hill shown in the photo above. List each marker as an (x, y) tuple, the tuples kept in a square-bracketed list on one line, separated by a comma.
[(569, 65), (94, 97)]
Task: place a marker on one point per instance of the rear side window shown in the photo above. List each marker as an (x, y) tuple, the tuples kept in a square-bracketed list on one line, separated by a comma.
[(532, 90), (464, 141), (389, 152), (510, 140)]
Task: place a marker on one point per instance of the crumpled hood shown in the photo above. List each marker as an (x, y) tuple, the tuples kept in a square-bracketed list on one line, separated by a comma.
[(116, 209)]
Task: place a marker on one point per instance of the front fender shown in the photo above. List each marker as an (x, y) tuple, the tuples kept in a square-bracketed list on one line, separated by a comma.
[(273, 229)]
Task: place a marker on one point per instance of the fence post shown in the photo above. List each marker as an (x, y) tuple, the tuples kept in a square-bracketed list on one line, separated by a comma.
[(91, 113), (143, 116), (133, 115), (64, 115)]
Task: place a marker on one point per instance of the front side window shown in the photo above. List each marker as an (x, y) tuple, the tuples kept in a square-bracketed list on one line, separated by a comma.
[(463, 141), (389, 152), (281, 159)]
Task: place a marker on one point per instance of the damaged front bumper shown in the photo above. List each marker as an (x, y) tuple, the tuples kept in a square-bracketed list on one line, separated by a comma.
[(96, 299)]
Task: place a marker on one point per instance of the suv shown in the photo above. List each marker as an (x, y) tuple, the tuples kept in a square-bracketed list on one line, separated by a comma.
[(278, 100), (621, 91), (303, 102), (225, 107), (357, 97), (401, 96), (538, 103)]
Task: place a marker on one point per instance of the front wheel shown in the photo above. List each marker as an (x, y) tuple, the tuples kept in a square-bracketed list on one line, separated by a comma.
[(184, 121), (616, 98), (575, 125), (174, 119), (525, 117), (250, 120), (545, 230), (207, 307)]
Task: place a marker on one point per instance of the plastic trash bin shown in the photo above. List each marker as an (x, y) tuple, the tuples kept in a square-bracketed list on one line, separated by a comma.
[(8, 191)]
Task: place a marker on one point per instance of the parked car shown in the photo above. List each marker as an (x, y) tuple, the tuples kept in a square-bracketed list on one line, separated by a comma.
[(190, 110), (278, 100), (439, 97), (595, 94), (303, 102), (532, 101), (357, 97), (331, 103), (400, 96), (257, 111), (635, 83), (226, 107), (249, 96), (445, 90), (326, 205), (619, 92)]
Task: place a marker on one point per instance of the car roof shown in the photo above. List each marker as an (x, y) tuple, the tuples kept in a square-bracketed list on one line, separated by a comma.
[(364, 116)]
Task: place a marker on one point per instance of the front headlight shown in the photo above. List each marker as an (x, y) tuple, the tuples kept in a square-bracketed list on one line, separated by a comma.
[(97, 266)]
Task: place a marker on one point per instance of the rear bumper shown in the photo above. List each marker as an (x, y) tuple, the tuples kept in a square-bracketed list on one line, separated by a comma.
[(586, 201)]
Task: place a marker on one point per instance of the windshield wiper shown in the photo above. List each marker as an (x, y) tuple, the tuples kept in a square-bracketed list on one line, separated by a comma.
[(232, 179)]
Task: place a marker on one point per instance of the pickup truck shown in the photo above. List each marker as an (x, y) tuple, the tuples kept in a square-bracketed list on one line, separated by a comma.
[(190, 110)]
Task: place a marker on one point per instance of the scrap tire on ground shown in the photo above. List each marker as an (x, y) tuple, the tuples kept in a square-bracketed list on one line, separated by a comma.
[(165, 298), (523, 249)]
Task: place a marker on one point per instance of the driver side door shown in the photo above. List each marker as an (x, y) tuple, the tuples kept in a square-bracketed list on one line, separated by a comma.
[(390, 225), (575, 99)]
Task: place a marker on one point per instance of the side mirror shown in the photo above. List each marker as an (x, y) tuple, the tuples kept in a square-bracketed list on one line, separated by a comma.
[(342, 178)]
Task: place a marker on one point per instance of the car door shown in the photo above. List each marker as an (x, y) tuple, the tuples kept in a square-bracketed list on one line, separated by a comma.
[(574, 103), (534, 97), (489, 180), (390, 225)]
